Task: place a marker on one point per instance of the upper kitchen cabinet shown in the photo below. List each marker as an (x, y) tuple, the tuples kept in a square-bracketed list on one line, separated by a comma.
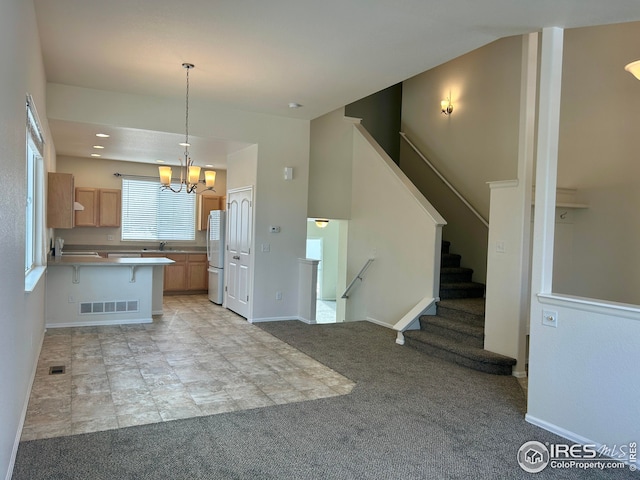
[(206, 203), (60, 200), (101, 207), (110, 211)]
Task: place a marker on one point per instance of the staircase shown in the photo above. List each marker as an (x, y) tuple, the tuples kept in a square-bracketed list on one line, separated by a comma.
[(456, 332)]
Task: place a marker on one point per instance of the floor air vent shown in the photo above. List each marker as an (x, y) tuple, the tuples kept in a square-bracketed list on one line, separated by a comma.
[(57, 370), (109, 306)]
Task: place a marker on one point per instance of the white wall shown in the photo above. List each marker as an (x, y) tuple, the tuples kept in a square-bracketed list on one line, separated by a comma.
[(393, 223), (583, 380), (330, 166), (280, 142), (22, 314), (476, 144), (598, 156)]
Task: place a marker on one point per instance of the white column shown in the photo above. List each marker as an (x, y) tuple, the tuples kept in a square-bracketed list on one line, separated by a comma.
[(307, 290), (547, 159)]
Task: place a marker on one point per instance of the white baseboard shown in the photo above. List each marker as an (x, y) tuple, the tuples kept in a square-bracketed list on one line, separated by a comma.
[(23, 415), (378, 322), (550, 427), (564, 433), (522, 374), (97, 323), (271, 319)]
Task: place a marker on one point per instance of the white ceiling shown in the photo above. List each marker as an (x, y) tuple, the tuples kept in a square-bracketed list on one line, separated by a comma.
[(259, 55), (129, 144)]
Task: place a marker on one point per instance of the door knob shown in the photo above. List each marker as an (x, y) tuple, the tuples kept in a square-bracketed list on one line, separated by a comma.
[(236, 257)]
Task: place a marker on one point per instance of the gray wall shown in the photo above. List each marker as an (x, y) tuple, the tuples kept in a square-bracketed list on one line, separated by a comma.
[(381, 114)]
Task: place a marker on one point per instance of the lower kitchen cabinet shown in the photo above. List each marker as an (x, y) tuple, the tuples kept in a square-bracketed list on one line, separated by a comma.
[(197, 274), (187, 275), (175, 275)]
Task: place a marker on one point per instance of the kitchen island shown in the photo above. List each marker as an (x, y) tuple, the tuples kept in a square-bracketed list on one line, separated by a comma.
[(89, 291)]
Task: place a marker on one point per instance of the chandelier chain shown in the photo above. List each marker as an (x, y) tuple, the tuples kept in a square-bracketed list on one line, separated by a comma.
[(186, 120), (189, 173)]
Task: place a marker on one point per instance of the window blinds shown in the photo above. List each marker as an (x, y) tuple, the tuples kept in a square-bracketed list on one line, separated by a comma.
[(149, 213)]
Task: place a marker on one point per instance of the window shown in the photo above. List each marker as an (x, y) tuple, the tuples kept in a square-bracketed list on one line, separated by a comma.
[(149, 213), (34, 198)]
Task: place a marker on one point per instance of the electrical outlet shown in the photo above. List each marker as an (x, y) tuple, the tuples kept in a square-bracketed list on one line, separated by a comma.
[(278, 295), (110, 238), (550, 318), (72, 299)]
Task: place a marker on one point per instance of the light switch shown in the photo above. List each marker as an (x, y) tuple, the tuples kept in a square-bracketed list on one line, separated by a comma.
[(265, 247), (500, 248)]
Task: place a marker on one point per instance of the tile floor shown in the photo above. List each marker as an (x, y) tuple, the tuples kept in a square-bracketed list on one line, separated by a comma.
[(196, 359), (326, 311)]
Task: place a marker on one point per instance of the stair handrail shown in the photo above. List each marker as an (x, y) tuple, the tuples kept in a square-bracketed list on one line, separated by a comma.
[(357, 277), (445, 181)]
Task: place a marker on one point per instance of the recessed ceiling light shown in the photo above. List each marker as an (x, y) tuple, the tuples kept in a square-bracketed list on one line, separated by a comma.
[(102, 135), (184, 144), (209, 166), (159, 161), (96, 155), (294, 105), (98, 146)]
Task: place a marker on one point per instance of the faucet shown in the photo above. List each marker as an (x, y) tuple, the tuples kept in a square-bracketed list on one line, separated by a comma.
[(162, 245)]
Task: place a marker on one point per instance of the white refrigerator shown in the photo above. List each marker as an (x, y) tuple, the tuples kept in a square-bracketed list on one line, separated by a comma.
[(215, 254)]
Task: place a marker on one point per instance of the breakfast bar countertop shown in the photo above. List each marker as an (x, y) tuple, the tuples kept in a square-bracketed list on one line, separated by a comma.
[(100, 261)]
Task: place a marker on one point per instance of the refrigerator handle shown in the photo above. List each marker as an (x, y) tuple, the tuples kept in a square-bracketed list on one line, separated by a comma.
[(208, 237)]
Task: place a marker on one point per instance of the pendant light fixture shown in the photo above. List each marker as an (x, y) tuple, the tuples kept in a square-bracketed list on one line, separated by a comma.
[(189, 173), (634, 69)]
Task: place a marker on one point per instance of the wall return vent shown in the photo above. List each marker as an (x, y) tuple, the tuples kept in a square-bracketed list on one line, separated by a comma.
[(109, 306)]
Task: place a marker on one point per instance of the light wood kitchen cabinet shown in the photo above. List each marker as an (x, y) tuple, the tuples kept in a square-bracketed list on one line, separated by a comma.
[(175, 275), (109, 207), (88, 198), (197, 274), (206, 203), (187, 275), (60, 200), (101, 207)]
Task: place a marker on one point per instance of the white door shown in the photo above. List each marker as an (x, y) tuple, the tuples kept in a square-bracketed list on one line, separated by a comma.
[(239, 237)]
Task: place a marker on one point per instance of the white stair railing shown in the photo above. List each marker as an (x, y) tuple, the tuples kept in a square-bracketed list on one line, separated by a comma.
[(446, 182), (357, 277)]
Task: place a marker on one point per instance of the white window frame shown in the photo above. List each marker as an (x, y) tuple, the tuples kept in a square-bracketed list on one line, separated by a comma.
[(152, 214), (34, 199)]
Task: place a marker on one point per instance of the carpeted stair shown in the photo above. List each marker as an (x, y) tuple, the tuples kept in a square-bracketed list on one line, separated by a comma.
[(456, 332)]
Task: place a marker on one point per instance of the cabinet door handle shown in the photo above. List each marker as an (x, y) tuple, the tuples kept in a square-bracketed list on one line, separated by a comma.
[(236, 257)]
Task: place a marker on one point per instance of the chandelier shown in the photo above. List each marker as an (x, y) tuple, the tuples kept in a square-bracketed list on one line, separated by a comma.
[(189, 173)]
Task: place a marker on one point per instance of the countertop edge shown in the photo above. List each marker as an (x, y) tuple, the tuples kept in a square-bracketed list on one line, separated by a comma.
[(109, 262)]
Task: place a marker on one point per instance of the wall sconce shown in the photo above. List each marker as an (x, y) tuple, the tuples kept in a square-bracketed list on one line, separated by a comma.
[(446, 106), (321, 222), (634, 69)]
